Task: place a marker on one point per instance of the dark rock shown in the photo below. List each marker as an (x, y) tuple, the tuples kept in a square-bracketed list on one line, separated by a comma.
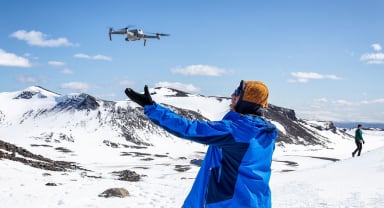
[(127, 175), (26, 95), (182, 168), (158, 155), (115, 192), (62, 149), (147, 159)]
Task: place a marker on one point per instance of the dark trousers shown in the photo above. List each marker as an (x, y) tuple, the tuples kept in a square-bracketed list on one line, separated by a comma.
[(358, 148)]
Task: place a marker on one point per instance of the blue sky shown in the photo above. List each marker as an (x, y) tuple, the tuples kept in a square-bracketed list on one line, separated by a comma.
[(322, 58)]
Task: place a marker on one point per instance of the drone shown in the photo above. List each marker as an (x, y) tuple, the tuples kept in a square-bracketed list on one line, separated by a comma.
[(135, 34)]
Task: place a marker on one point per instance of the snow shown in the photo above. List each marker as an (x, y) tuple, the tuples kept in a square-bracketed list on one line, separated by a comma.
[(279, 127), (353, 182), (302, 176), (349, 182), (212, 108)]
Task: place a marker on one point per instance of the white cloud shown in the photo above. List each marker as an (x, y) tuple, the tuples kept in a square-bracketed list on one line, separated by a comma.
[(345, 103), (376, 47), (321, 100), (304, 77), (10, 59), (341, 102), (179, 86), (375, 101), (30, 56), (318, 114), (26, 79), (36, 38), (56, 63), (199, 70), (373, 58), (96, 57), (126, 83), (320, 103), (79, 86), (102, 57), (66, 71), (110, 95), (343, 110), (82, 55)]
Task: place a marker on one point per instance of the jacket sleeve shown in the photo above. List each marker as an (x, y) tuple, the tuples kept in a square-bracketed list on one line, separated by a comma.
[(205, 132)]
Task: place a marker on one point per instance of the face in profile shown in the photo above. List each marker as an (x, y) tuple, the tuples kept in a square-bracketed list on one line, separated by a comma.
[(234, 101)]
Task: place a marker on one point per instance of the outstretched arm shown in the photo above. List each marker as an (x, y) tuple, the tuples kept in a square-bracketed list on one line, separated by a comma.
[(196, 130), (205, 132)]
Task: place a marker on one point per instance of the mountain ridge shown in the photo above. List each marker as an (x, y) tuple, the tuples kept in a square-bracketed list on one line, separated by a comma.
[(122, 115)]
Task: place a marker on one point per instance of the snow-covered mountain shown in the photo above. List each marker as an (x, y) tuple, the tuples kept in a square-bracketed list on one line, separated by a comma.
[(111, 142), (47, 117), (51, 115)]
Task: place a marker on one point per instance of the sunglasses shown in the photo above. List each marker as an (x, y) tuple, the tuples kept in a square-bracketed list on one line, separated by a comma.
[(239, 89), (237, 92)]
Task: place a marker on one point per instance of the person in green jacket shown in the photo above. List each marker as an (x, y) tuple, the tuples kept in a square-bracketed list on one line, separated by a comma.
[(358, 140)]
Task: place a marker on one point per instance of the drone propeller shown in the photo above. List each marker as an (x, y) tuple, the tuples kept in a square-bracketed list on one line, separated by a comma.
[(163, 34), (123, 29), (126, 28), (110, 33), (160, 34)]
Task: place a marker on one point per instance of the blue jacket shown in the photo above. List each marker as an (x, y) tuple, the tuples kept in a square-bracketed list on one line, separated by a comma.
[(237, 166)]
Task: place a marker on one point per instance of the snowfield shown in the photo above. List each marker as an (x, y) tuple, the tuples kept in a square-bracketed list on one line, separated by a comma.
[(302, 176)]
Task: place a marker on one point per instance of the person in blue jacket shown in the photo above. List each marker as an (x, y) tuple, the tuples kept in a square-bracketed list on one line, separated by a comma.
[(237, 166)]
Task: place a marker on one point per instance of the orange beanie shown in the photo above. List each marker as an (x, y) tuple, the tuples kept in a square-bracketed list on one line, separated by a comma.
[(256, 92)]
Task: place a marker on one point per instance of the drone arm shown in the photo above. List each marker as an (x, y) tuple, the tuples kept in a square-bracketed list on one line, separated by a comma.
[(152, 36), (118, 32)]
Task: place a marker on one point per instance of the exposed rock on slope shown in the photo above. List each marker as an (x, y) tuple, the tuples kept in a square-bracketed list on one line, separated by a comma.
[(15, 153)]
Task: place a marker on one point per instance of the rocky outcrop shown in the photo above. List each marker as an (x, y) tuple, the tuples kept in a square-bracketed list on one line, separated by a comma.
[(127, 175), (295, 131), (79, 102), (19, 154)]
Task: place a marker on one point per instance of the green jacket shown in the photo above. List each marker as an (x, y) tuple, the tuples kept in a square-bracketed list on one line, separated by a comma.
[(358, 135)]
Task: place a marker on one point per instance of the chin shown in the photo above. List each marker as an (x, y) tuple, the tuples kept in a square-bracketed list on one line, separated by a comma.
[(231, 107)]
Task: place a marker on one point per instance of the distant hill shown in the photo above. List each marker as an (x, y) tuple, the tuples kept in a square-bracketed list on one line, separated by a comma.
[(354, 124)]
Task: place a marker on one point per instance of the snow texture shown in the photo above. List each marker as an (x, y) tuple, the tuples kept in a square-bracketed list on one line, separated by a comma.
[(302, 175)]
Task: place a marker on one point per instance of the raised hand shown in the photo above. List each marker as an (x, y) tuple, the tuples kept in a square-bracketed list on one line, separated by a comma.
[(141, 99)]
